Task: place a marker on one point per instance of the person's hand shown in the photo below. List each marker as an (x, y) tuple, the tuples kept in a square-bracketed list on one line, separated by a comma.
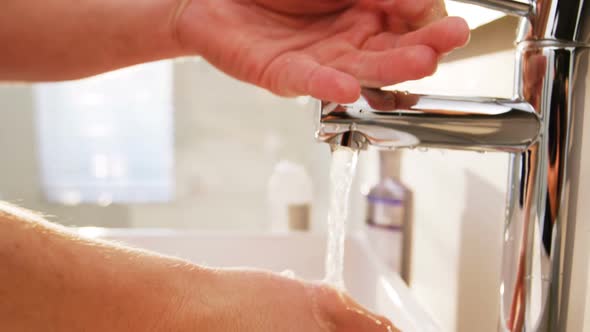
[(324, 48), (258, 301), (53, 280)]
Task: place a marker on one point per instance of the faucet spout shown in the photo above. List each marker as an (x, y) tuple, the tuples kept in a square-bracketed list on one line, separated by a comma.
[(388, 119)]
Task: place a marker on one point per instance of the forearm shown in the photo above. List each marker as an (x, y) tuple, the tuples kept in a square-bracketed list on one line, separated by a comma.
[(51, 280), (65, 39)]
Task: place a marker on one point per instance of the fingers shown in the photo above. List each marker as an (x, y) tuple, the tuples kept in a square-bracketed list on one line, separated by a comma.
[(340, 80), (381, 42), (316, 7), (433, 13), (387, 60), (377, 69), (443, 36), (330, 84), (295, 75), (417, 13), (343, 314)]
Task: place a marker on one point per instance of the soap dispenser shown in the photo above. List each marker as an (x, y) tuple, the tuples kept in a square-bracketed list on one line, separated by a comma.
[(388, 217)]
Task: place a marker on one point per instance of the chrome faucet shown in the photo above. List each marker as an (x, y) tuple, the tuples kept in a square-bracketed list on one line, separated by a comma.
[(542, 129)]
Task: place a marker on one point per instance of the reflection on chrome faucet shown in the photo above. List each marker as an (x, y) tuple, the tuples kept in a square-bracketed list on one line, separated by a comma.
[(397, 119), (541, 127)]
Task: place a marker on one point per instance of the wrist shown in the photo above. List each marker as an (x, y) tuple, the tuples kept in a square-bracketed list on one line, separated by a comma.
[(194, 22), (186, 303), (176, 17), (157, 31)]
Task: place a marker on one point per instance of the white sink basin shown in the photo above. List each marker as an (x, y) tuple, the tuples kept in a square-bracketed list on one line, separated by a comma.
[(367, 279)]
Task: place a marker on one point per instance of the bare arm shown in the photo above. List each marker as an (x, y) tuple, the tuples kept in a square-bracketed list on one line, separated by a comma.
[(53, 280), (324, 48), (65, 39)]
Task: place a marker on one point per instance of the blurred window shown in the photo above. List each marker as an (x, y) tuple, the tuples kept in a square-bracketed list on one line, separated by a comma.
[(108, 139)]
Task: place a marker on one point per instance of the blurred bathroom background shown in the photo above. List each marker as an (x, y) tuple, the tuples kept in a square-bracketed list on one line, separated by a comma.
[(180, 145), (173, 144)]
